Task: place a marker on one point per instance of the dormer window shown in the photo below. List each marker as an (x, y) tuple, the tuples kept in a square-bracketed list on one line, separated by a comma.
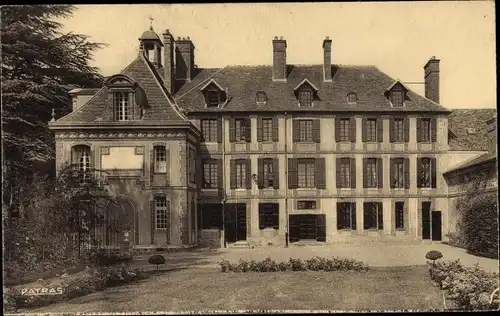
[(396, 94), (122, 106), (397, 98), (352, 98), (261, 97), (214, 94), (213, 98), (126, 97), (305, 92), (305, 97)]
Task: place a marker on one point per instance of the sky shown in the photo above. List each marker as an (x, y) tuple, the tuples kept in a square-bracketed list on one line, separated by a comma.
[(398, 38)]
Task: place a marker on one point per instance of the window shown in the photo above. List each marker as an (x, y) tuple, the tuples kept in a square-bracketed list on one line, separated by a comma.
[(370, 173), (122, 106), (268, 215), (162, 212), (373, 215), (346, 216), (371, 130), (425, 130), (213, 98), (425, 177), (305, 97), (210, 174), (398, 130), (399, 210), (352, 98), (210, 216), (344, 130), (241, 175), (397, 98), (268, 180), (345, 172), (305, 130), (240, 126), (398, 180), (160, 153), (306, 205), (305, 170), (209, 130), (81, 158), (261, 97), (267, 130)]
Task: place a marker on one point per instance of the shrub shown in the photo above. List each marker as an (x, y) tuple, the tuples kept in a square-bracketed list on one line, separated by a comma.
[(297, 265), (433, 255), (225, 266), (268, 265), (156, 259)]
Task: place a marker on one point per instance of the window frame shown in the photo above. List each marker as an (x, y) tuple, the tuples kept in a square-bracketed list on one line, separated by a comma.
[(345, 174), (83, 161), (397, 98), (122, 106), (241, 174), (306, 130), (212, 125), (166, 214), (399, 130), (399, 216), (425, 131), (268, 173), (240, 130), (371, 165), (303, 205), (213, 174), (210, 101), (341, 208), (352, 98), (429, 172), (309, 175), (371, 130), (267, 129), (399, 173), (160, 165), (374, 217), (260, 97), (306, 96), (344, 129), (270, 213)]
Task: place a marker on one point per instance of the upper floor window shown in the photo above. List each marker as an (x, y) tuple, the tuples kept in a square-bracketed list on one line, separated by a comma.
[(267, 129), (240, 174), (398, 130), (345, 172), (214, 93), (399, 173), (372, 172), (209, 130), (397, 98), (396, 93), (344, 130), (122, 106), (425, 130), (160, 162), (305, 97), (210, 174), (306, 173), (213, 98), (127, 97), (240, 126), (352, 97), (81, 160), (371, 130), (261, 97), (306, 130), (426, 172), (305, 91)]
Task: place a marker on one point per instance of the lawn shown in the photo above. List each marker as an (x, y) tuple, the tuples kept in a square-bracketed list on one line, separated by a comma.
[(394, 288)]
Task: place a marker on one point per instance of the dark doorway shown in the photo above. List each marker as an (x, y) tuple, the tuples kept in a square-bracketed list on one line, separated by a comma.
[(210, 216), (436, 225), (426, 220), (235, 222), (307, 227)]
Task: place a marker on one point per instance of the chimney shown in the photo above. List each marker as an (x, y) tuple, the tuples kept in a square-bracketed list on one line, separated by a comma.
[(327, 59), (168, 61), (431, 77), (279, 59), (184, 59)]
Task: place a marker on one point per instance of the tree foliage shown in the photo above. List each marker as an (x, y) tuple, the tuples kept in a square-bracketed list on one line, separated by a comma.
[(40, 65)]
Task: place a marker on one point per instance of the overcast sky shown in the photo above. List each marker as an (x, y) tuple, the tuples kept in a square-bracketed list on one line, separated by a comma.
[(398, 38)]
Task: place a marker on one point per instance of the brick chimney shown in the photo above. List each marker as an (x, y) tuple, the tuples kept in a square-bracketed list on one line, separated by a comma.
[(279, 59), (431, 76), (168, 61), (327, 59), (184, 59)]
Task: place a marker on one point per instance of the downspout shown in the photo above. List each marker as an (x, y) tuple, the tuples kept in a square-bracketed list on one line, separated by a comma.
[(287, 238), (223, 178)]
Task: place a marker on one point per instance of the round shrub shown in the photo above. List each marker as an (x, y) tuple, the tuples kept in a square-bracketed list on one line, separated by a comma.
[(156, 259), (433, 255)]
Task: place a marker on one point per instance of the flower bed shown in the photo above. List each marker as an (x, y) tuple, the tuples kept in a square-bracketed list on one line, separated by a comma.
[(89, 281), (313, 264), (469, 288)]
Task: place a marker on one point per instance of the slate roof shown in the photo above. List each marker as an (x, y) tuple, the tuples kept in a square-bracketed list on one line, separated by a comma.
[(243, 82), (159, 107), (460, 120), (484, 158)]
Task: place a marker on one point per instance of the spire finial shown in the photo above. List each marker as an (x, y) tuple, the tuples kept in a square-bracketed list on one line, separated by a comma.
[(151, 19), (53, 115)]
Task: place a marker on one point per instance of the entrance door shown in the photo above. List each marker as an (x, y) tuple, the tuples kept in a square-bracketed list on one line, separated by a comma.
[(235, 218), (426, 220), (307, 227), (436, 225)]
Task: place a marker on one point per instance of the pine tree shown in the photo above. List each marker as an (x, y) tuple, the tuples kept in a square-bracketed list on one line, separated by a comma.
[(40, 65)]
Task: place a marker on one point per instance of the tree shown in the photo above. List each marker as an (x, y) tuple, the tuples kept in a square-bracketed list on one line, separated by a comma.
[(40, 65)]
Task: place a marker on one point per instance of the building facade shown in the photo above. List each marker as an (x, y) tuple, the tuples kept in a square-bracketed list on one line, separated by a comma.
[(263, 155)]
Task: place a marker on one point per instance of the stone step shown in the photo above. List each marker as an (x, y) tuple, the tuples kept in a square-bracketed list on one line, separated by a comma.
[(239, 244)]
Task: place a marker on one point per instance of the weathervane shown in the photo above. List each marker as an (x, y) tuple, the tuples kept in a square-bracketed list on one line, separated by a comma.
[(151, 19)]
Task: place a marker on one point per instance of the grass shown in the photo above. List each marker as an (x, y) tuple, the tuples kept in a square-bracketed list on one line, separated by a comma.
[(396, 288)]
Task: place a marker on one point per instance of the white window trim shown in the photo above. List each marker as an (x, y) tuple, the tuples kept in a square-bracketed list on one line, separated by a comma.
[(169, 219)]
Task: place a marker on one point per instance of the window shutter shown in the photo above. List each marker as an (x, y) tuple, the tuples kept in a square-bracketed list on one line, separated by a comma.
[(353, 215), (380, 172), (259, 129), (337, 129), (393, 218), (294, 228), (261, 217), (232, 130), (364, 174), (433, 173), (321, 227), (391, 171), (419, 130), (380, 130), (219, 130), (352, 127), (275, 129), (406, 172), (406, 218), (433, 129), (353, 173), (152, 163), (316, 131), (276, 216), (295, 131), (248, 171), (232, 182), (391, 129), (248, 130), (220, 174), (153, 222), (406, 126), (260, 174), (363, 130), (380, 215), (292, 173), (276, 173), (320, 173), (419, 172), (366, 216), (337, 171)]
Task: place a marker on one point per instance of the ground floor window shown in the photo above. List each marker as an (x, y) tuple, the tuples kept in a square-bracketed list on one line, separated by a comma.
[(268, 215), (399, 215), (346, 215), (373, 215), (161, 212), (211, 216)]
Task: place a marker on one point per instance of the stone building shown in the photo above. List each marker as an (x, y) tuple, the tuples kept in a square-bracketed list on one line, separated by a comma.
[(263, 155)]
